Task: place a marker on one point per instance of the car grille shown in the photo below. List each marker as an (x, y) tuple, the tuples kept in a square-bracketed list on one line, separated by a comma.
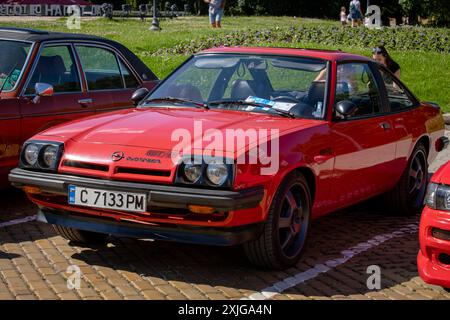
[(85, 165), (156, 173)]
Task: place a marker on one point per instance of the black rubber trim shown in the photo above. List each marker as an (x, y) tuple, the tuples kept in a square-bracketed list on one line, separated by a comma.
[(166, 196), (194, 235)]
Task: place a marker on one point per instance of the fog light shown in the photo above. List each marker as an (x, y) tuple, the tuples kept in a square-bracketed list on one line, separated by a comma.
[(31, 190), (201, 209)]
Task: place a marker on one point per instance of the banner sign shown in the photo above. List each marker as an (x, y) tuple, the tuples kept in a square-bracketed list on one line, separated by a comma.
[(52, 10)]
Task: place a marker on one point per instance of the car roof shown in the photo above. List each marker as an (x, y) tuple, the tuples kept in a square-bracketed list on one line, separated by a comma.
[(39, 36), (331, 55)]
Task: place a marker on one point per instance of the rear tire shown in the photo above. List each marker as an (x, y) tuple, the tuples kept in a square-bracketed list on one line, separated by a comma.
[(285, 231), (406, 198), (80, 236)]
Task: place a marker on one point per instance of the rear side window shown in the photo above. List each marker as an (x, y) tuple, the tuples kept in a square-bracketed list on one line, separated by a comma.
[(398, 98), (56, 66), (128, 77), (101, 68)]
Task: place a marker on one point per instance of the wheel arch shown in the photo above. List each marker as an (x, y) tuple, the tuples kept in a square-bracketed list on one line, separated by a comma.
[(310, 179), (425, 140)]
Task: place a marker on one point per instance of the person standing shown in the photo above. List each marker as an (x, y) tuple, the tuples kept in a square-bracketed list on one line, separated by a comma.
[(343, 16), (216, 8), (382, 56), (356, 14)]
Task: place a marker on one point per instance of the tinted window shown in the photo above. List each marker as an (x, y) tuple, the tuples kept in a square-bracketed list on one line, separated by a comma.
[(100, 67), (356, 83), (129, 78), (398, 99), (56, 66)]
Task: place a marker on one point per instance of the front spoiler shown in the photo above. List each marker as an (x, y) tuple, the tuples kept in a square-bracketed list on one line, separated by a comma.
[(166, 196), (194, 235)]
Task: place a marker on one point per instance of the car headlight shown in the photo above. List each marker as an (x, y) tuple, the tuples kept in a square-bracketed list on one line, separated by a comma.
[(438, 196), (31, 154), (49, 156), (193, 172), (217, 172), (41, 155)]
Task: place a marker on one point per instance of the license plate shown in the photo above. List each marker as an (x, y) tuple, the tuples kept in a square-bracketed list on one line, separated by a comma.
[(106, 199)]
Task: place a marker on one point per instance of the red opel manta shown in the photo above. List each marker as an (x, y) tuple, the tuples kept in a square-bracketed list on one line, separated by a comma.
[(434, 255), (238, 146)]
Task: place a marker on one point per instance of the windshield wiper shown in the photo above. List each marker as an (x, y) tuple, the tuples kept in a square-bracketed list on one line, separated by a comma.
[(254, 104), (178, 100)]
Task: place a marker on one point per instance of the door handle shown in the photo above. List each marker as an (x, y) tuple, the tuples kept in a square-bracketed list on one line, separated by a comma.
[(324, 155), (385, 125), (85, 102)]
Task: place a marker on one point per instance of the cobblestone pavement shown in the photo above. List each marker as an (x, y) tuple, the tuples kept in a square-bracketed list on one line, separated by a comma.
[(34, 260)]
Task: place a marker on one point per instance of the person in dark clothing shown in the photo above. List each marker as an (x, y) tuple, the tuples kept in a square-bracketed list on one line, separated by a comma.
[(381, 55)]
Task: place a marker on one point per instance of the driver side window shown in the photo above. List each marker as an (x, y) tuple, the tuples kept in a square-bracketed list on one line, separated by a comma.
[(56, 66), (356, 83)]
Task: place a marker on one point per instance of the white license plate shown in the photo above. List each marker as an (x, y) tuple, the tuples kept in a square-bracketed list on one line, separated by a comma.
[(106, 199)]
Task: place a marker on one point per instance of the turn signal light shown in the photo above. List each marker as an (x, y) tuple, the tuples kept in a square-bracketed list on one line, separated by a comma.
[(31, 190), (201, 209)]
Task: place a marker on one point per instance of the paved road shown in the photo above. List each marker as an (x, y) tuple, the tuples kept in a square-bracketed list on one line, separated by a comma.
[(342, 246)]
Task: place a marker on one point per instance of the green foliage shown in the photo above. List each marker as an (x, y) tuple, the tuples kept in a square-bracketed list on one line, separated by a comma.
[(438, 10), (417, 50), (405, 38)]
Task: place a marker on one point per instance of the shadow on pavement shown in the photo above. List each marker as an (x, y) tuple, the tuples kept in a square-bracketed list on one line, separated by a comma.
[(228, 267)]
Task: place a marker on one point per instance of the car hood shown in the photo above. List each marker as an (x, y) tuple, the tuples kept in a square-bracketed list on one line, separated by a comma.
[(161, 128)]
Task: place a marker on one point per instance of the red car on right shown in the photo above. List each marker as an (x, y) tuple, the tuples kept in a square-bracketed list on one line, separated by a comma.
[(434, 255)]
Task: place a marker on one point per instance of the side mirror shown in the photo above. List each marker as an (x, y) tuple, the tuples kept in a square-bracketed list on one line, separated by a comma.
[(139, 95), (42, 90), (346, 108)]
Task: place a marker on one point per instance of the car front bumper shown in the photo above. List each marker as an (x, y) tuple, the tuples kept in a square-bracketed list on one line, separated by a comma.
[(434, 236), (165, 196), (242, 223)]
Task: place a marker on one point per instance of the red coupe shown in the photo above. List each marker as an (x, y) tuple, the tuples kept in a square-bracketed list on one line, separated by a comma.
[(434, 255), (238, 146), (47, 78)]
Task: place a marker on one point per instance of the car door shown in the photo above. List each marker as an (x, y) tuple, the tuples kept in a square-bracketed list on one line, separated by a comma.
[(363, 143), (407, 118), (10, 136), (55, 65), (110, 81)]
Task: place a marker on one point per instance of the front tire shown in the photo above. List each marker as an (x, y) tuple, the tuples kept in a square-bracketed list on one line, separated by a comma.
[(80, 236), (406, 198), (283, 239)]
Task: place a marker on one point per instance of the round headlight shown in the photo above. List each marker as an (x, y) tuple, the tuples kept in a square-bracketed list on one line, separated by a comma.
[(31, 154), (217, 173), (192, 172), (49, 156)]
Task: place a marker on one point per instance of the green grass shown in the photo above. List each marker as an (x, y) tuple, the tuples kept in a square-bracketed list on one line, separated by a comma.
[(426, 73)]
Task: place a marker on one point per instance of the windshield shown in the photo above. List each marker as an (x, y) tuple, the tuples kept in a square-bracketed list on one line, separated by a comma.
[(248, 83), (13, 55)]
